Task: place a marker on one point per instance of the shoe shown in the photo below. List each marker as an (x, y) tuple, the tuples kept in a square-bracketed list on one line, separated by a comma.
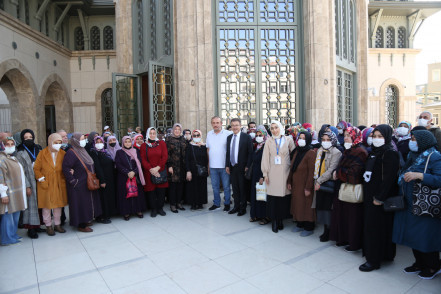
[(173, 209), (306, 233), (214, 207), (349, 249), (413, 269), (367, 267), (341, 244), (227, 208), (103, 221), (32, 233), (297, 229), (274, 227), (193, 208), (264, 221), (59, 229), (280, 225), (40, 230), (427, 274), (153, 213), (242, 212), (85, 230), (233, 211), (126, 217), (140, 215), (161, 212), (200, 207), (180, 207), (50, 231), (325, 236), (89, 224)]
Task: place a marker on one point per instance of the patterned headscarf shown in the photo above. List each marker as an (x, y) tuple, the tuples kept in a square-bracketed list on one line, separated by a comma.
[(365, 134), (173, 130), (265, 136), (103, 150), (408, 136), (356, 136), (134, 155), (112, 150), (80, 151), (201, 143), (331, 136), (334, 130), (343, 125), (134, 140)]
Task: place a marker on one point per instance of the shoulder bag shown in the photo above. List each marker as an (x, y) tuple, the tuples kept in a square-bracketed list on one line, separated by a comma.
[(201, 169), (394, 203), (351, 193), (162, 179), (93, 183)]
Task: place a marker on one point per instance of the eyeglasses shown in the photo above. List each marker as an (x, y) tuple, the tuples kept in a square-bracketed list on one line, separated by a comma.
[(196, 136)]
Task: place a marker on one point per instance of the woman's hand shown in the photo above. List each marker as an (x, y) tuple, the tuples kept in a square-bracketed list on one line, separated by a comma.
[(170, 170), (289, 186), (410, 176), (376, 202), (189, 176), (266, 181), (261, 181), (28, 192), (317, 186), (307, 193), (103, 185), (72, 171), (334, 175), (131, 174), (5, 200)]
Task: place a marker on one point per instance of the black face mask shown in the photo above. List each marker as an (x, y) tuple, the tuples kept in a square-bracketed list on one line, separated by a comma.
[(152, 141), (112, 144), (29, 143)]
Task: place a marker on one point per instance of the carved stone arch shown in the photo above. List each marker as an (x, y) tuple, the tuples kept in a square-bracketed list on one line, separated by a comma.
[(98, 95)]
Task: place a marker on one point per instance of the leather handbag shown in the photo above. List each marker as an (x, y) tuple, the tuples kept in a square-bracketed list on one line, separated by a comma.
[(351, 193), (328, 187), (201, 169), (425, 199), (394, 203), (161, 179), (93, 183)]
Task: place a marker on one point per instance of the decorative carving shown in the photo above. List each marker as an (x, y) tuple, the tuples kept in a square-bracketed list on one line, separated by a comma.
[(391, 105)]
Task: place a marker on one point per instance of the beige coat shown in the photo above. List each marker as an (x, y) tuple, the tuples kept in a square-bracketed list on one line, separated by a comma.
[(277, 174), (331, 162)]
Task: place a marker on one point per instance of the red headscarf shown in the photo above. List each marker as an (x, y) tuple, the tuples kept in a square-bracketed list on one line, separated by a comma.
[(356, 135)]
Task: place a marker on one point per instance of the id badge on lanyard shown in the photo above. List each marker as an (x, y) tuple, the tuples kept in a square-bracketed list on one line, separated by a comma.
[(278, 158)]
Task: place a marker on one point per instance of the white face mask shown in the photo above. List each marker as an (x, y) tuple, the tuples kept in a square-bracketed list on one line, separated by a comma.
[(340, 131), (259, 139), (369, 141), (56, 146), (99, 146), (402, 131), (253, 135), (423, 122), (83, 143), (378, 142), (9, 150), (301, 142), (196, 140), (326, 144), (348, 145), (187, 137)]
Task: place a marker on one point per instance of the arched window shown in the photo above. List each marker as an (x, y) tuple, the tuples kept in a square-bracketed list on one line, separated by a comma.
[(108, 38), (391, 105), (79, 38), (379, 38), (402, 37), (95, 38), (390, 37), (107, 108)]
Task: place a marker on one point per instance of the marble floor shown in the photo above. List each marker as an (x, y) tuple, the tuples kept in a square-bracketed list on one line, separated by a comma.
[(195, 252)]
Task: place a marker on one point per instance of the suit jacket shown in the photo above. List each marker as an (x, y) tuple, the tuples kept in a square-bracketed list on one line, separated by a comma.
[(245, 152)]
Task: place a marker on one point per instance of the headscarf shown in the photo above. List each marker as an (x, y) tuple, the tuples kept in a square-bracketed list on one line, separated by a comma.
[(265, 136), (173, 130), (343, 125), (361, 127), (51, 139), (31, 149), (280, 127), (112, 150), (334, 130), (147, 137), (322, 131), (386, 131), (17, 138), (301, 151), (6, 139), (134, 155), (80, 151), (331, 136), (102, 150), (355, 135), (307, 126), (408, 136), (134, 140), (91, 140), (365, 134), (201, 143)]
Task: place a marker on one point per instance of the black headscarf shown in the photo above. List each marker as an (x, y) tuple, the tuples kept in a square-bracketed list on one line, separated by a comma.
[(425, 140), (29, 145), (387, 132), (301, 151), (322, 131)]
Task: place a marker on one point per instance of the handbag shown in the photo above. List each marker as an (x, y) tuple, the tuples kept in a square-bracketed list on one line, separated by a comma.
[(93, 183), (425, 199), (394, 203), (351, 193), (131, 188), (162, 179), (201, 169), (261, 192), (328, 187), (249, 172)]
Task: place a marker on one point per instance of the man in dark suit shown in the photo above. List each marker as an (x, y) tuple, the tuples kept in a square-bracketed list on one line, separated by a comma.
[(237, 162)]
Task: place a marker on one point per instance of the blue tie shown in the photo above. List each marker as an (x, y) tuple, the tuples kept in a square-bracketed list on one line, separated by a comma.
[(232, 153)]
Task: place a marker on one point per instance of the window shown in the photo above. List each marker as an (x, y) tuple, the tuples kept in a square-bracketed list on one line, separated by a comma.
[(95, 38), (436, 75), (402, 37), (345, 30), (79, 38), (391, 105), (107, 108), (390, 37), (108, 38), (379, 38), (344, 96), (435, 119)]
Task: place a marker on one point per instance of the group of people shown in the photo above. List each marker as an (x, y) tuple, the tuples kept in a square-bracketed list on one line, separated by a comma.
[(342, 177)]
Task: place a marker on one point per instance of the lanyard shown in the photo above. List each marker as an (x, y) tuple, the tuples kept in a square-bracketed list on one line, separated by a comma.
[(33, 155), (278, 145)]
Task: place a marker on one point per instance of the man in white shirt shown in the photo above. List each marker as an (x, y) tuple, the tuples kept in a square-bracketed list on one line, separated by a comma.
[(216, 149)]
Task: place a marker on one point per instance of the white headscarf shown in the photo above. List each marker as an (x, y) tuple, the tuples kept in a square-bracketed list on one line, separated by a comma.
[(280, 127), (147, 136)]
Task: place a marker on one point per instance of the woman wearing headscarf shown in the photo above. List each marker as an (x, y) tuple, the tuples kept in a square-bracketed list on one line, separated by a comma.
[(196, 154), (401, 138), (341, 127), (301, 183), (258, 208), (153, 159), (328, 157), (90, 140), (380, 179), (128, 166), (176, 146), (84, 205), (421, 233), (105, 171), (275, 171), (51, 183), (26, 155), (12, 193), (112, 146), (347, 218), (367, 139), (138, 140), (187, 135)]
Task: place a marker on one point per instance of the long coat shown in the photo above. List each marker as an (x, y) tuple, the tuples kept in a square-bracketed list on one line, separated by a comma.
[(303, 179), (152, 157), (84, 205), (197, 187), (30, 215), (176, 148), (52, 192), (422, 233), (277, 174), (332, 158)]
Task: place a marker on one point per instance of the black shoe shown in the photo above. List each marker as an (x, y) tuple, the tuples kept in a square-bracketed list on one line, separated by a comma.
[(199, 207), (161, 212), (180, 207), (126, 217), (32, 233), (428, 274), (413, 269), (367, 267), (227, 208), (233, 211), (214, 207), (103, 221), (341, 244), (173, 209), (280, 225), (325, 236), (242, 212), (349, 249), (153, 213), (193, 208), (40, 230), (275, 227)]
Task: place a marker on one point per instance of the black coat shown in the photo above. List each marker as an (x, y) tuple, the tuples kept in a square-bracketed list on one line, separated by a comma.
[(196, 189), (245, 152)]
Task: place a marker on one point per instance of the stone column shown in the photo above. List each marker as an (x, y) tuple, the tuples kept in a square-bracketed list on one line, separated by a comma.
[(124, 46), (193, 63), (362, 60)]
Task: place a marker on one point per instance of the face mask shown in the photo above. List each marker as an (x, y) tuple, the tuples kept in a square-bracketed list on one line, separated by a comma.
[(56, 146), (253, 135), (112, 144), (301, 142), (83, 143), (29, 142), (413, 146), (9, 150), (378, 142), (326, 144), (99, 146), (187, 137), (259, 139), (340, 131), (423, 122), (348, 145), (402, 131), (369, 141), (196, 140)]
